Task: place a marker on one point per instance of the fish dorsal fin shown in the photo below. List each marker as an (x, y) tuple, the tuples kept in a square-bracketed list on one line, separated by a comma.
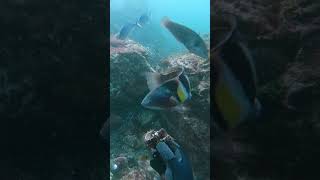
[(153, 80)]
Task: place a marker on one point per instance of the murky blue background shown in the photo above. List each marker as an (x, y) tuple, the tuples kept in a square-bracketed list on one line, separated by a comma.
[(194, 14)]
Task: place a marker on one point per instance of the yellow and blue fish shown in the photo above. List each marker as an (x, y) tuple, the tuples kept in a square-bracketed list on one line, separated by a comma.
[(167, 91)]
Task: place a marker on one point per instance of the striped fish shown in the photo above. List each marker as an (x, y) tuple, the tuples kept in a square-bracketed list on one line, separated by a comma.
[(168, 90), (235, 82)]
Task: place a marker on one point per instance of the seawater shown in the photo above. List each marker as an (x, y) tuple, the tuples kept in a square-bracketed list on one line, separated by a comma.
[(194, 14)]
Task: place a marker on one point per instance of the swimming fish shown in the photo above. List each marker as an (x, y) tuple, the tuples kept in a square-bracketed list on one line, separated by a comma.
[(167, 91), (190, 39), (235, 79), (143, 19), (125, 30)]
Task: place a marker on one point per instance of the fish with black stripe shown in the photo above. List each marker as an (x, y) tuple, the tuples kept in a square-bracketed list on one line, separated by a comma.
[(235, 90), (167, 91)]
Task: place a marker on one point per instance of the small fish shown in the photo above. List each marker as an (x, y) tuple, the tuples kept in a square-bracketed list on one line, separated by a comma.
[(143, 19), (190, 39), (167, 91), (125, 30), (235, 82)]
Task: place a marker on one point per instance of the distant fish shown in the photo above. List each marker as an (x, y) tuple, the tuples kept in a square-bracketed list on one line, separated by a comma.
[(143, 19), (125, 30), (167, 91), (190, 39), (235, 81)]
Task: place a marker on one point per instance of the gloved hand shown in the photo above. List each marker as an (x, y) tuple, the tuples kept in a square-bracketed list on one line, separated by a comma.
[(168, 158)]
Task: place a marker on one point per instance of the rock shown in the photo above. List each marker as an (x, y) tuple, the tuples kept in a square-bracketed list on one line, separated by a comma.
[(132, 166), (119, 166), (194, 124), (135, 175), (115, 121), (140, 175), (146, 119), (132, 141), (302, 86), (128, 63)]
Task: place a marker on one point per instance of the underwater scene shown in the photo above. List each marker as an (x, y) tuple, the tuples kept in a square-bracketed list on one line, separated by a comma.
[(265, 89), (159, 90)]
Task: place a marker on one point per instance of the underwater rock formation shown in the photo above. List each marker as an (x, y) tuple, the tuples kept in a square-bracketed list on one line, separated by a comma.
[(128, 87), (192, 128), (128, 62)]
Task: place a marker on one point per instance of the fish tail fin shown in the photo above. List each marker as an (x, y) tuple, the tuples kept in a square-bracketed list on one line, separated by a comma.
[(138, 24), (153, 80), (165, 21)]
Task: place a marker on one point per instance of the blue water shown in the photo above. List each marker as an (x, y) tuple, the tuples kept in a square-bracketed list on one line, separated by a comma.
[(194, 14)]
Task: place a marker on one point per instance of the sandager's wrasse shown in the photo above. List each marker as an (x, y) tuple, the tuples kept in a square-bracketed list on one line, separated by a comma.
[(167, 91), (234, 77), (190, 39)]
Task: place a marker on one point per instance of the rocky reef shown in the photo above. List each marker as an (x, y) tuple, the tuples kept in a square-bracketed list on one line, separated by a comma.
[(129, 61), (192, 127), (283, 37)]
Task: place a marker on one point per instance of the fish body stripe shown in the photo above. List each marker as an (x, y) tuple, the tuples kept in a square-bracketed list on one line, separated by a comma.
[(228, 105), (182, 92), (231, 99)]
